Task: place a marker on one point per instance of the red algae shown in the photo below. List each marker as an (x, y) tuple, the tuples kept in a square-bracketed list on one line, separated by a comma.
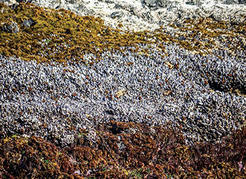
[(125, 150)]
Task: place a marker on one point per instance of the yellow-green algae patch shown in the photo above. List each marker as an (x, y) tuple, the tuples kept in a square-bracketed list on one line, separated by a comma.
[(62, 36), (207, 34)]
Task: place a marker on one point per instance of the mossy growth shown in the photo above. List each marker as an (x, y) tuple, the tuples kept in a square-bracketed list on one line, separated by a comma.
[(63, 36), (60, 35), (205, 35)]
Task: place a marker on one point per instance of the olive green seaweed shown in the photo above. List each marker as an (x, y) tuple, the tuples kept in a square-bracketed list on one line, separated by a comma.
[(62, 36)]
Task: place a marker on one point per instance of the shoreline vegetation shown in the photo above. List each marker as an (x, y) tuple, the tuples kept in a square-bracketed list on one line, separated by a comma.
[(47, 35), (121, 150), (158, 152)]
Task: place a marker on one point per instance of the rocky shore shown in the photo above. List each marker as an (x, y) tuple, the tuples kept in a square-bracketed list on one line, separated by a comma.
[(49, 101), (139, 15), (191, 78), (202, 93)]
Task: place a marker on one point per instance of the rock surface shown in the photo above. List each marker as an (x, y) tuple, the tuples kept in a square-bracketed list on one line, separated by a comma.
[(203, 95), (141, 15), (191, 91)]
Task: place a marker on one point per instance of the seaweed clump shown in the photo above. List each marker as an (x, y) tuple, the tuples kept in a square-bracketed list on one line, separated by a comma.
[(48, 35), (135, 151), (206, 35)]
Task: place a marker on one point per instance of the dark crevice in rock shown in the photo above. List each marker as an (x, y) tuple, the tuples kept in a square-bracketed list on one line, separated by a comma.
[(235, 87), (216, 86), (116, 129)]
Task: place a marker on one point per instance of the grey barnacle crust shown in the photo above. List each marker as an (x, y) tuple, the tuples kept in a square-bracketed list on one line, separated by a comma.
[(55, 102)]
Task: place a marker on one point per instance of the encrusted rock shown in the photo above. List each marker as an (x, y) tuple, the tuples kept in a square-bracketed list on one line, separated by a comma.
[(29, 22), (10, 27), (116, 14), (150, 14), (193, 90), (8, 2)]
